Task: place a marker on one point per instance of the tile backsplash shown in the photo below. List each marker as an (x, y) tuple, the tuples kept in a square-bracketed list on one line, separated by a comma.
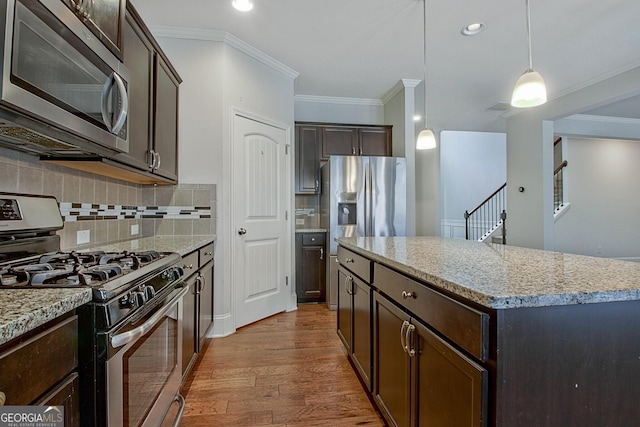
[(107, 207)]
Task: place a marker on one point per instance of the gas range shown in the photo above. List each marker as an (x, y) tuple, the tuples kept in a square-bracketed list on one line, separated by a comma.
[(129, 334)]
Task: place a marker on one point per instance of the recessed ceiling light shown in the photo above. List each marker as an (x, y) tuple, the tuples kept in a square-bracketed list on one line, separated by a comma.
[(242, 5), (472, 29)]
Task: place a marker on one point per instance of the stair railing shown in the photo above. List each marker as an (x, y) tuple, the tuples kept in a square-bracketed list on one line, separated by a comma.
[(485, 218), (558, 187)]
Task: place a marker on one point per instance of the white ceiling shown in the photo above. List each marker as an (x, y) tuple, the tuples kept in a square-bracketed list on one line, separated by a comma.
[(362, 48)]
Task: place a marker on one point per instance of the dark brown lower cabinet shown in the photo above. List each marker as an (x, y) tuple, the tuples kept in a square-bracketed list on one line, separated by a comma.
[(66, 395), (420, 379), (354, 321), (189, 346), (310, 267)]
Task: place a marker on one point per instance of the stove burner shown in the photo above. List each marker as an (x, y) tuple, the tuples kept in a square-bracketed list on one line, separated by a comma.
[(132, 260)]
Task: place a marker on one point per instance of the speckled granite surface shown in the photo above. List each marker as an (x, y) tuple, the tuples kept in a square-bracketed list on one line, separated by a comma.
[(22, 310), (180, 244), (499, 276)]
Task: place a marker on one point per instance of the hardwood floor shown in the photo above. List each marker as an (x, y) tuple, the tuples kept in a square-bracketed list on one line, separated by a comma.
[(286, 370)]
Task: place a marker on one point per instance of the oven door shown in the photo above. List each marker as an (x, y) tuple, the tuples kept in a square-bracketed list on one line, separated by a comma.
[(144, 371)]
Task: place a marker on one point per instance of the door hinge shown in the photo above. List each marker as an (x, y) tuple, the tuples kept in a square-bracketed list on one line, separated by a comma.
[(286, 280), (286, 215), (286, 149)]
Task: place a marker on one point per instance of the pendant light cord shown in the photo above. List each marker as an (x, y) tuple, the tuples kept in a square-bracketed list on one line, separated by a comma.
[(424, 59), (528, 34)]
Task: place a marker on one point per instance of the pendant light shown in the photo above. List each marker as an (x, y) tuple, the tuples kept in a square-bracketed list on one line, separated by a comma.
[(530, 90), (242, 5), (426, 138)]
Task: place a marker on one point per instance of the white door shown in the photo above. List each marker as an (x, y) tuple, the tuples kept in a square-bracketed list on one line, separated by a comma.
[(260, 238)]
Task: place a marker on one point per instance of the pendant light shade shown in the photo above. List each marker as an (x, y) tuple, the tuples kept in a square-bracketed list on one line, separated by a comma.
[(426, 138), (530, 90), (242, 5)]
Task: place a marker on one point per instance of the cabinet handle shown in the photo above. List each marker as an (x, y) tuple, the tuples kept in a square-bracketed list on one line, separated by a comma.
[(406, 294), (3, 398), (317, 185), (347, 281), (403, 336), (409, 341), (353, 150), (159, 160), (361, 151), (188, 267), (208, 253), (348, 260), (152, 163), (321, 253)]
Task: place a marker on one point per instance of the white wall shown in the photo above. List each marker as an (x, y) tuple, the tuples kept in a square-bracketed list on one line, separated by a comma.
[(472, 166), (530, 135), (602, 179), (221, 75), (339, 110)]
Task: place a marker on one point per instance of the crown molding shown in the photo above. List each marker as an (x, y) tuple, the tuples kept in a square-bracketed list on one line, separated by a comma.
[(604, 119), (226, 38), (398, 87), (337, 100)]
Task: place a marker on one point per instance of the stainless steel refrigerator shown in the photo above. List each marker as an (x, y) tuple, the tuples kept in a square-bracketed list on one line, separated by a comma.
[(361, 196)]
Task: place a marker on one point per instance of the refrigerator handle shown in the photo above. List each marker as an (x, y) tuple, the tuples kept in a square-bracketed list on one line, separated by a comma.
[(368, 201)]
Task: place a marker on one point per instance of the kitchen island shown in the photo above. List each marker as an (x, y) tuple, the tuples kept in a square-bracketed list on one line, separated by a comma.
[(498, 335)]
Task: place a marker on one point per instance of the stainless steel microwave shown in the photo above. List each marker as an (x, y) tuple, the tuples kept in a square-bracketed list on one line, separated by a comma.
[(62, 91)]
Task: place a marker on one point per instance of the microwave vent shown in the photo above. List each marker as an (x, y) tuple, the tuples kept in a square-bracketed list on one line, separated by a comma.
[(21, 135)]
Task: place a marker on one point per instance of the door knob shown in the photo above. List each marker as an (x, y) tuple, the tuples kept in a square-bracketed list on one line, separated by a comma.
[(242, 231)]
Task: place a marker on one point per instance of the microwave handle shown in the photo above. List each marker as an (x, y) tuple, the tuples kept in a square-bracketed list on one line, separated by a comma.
[(122, 116)]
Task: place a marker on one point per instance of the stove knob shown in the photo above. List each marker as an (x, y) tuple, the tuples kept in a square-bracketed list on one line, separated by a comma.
[(129, 301), (140, 297), (149, 292)]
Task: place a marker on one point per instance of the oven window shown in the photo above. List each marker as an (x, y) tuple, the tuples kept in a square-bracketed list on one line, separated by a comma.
[(146, 368)]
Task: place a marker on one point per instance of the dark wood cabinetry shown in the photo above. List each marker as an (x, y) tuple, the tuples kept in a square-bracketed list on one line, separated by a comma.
[(153, 112), (307, 159), (310, 267), (420, 379), (316, 142), (39, 368), (198, 304), (355, 141), (354, 311)]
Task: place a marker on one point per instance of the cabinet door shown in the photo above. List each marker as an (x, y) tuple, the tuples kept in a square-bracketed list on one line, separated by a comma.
[(375, 141), (344, 307), (139, 59), (312, 285), (339, 141), (166, 121), (450, 389), (65, 394), (189, 314), (205, 279), (307, 159), (391, 380), (361, 348)]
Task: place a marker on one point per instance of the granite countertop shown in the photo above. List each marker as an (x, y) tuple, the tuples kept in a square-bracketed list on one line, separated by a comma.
[(23, 310), (180, 244), (502, 276), (311, 230)]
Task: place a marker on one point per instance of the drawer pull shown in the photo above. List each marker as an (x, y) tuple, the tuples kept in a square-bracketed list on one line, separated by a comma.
[(348, 260), (188, 266), (407, 295), (208, 253), (3, 398)]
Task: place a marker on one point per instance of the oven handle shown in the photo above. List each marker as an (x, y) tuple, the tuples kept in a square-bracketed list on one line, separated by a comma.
[(132, 335), (181, 403)]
